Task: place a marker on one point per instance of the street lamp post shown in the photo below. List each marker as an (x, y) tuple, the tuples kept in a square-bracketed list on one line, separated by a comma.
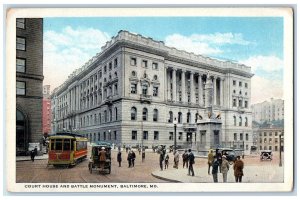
[(175, 137), (280, 162)]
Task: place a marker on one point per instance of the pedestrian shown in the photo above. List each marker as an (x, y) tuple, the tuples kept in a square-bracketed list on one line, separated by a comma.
[(224, 168), (119, 158), (161, 159), (176, 159), (132, 158), (129, 159), (215, 166), (143, 154), (185, 156), (191, 160), (139, 149), (219, 157), (102, 158), (166, 161), (32, 155), (210, 159), (238, 169)]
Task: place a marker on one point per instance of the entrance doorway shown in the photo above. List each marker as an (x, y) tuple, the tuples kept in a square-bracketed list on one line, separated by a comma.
[(216, 137), (21, 133)]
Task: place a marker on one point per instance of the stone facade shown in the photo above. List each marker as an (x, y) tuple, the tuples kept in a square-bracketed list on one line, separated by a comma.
[(268, 111), (29, 76), (268, 138), (132, 91)]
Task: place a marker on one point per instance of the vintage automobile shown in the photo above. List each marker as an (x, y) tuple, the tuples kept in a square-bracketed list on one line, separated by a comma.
[(229, 153), (94, 163), (266, 155)]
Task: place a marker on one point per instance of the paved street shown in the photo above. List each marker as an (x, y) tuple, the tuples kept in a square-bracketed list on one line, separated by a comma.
[(38, 172)]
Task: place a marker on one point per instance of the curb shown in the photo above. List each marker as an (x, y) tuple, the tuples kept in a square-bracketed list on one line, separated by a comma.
[(165, 179)]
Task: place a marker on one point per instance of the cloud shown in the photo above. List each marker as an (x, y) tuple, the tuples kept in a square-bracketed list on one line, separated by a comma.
[(264, 63), (263, 89), (207, 44), (69, 49)]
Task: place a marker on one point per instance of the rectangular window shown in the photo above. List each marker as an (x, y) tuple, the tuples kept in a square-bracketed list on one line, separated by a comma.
[(234, 82), (115, 135), (20, 23), (170, 135), (21, 88), (270, 134), (180, 136), (270, 140), (155, 66), (156, 135), (246, 85), (21, 43), (240, 84), (276, 134), (155, 91), (265, 134), (145, 63), (21, 65), (246, 104), (133, 88), (133, 61), (234, 136), (110, 66), (134, 135), (145, 135), (241, 136)]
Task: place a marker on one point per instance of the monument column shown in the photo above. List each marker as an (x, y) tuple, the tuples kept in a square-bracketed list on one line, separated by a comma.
[(183, 86), (192, 92), (174, 85), (200, 94)]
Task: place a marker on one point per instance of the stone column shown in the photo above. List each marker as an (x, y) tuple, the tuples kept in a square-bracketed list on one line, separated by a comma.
[(183, 94), (168, 84), (192, 92), (174, 85), (215, 90), (221, 91), (200, 94)]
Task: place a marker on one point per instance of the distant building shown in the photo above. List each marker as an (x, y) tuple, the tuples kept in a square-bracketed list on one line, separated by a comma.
[(46, 110), (29, 86), (268, 138), (134, 89), (268, 111)]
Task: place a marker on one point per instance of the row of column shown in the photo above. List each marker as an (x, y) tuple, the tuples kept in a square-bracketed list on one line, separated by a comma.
[(175, 92)]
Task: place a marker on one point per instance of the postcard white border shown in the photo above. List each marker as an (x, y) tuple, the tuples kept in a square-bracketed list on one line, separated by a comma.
[(287, 15)]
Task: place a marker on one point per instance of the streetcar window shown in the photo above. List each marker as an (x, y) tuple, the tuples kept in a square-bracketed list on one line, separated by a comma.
[(72, 145), (66, 146), (52, 145), (58, 144)]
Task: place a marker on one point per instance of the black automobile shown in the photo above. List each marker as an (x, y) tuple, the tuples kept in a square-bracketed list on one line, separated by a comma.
[(266, 155), (229, 153)]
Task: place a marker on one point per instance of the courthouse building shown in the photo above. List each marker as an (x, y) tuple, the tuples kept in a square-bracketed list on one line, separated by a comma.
[(132, 91), (29, 85)]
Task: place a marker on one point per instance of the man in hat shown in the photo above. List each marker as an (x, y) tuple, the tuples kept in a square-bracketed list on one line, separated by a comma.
[(191, 160), (102, 158), (224, 168)]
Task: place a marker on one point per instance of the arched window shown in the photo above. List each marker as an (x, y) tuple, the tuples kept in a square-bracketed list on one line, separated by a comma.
[(179, 118), (110, 115), (133, 113), (188, 117), (99, 118), (155, 115), (241, 121), (170, 117), (246, 121), (105, 116), (145, 114), (234, 120)]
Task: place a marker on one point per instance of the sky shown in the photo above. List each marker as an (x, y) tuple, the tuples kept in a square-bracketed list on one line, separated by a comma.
[(253, 41)]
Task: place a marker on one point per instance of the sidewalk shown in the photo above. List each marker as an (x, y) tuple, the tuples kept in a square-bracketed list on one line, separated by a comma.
[(252, 174), (24, 158)]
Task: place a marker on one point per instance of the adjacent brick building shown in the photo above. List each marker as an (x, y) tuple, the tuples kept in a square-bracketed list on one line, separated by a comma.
[(29, 86)]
